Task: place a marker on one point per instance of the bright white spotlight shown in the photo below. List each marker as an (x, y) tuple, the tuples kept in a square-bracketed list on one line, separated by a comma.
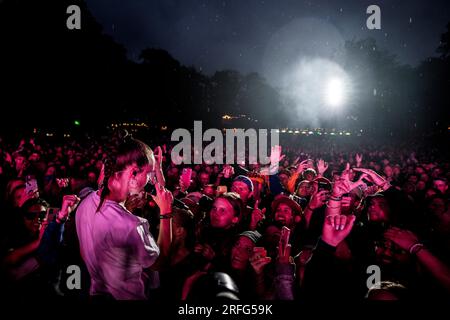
[(335, 92), (316, 89)]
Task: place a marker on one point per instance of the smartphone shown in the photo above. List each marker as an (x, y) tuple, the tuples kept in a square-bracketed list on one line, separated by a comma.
[(221, 190), (31, 186), (186, 176)]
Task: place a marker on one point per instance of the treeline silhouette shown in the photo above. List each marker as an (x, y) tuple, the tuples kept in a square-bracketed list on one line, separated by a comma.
[(53, 76)]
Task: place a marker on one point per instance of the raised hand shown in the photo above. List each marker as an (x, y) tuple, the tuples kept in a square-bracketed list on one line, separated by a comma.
[(322, 166), (183, 185), (302, 166), (318, 199), (228, 171), (275, 155), (185, 179), (158, 157), (163, 199), (284, 248), (372, 176), (346, 173), (257, 216), (405, 239), (158, 167), (336, 228), (344, 185), (358, 159), (68, 204), (259, 259)]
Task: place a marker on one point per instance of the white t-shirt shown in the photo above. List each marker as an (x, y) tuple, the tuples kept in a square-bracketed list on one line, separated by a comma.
[(116, 246)]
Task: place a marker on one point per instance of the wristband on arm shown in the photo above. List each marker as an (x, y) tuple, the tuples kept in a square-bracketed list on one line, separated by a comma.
[(166, 216), (415, 248)]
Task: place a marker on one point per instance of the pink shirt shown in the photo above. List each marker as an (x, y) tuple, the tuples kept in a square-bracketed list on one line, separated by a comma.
[(116, 246)]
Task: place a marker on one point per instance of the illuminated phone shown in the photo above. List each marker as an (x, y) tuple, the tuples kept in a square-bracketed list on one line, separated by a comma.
[(186, 176), (31, 186)]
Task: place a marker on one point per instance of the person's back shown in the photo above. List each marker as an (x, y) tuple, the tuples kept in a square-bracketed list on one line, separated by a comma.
[(116, 246)]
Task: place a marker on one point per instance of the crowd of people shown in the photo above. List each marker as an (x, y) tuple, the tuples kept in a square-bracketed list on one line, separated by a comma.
[(332, 222)]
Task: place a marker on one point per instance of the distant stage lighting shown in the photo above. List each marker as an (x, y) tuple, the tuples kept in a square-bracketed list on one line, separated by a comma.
[(316, 90), (335, 92)]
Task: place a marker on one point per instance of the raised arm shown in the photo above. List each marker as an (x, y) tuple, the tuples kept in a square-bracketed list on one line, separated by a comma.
[(407, 240)]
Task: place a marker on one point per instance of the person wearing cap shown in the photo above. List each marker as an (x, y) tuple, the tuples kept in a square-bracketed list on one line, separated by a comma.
[(243, 248), (251, 217), (309, 174), (243, 186), (241, 252), (286, 211), (304, 189), (304, 192)]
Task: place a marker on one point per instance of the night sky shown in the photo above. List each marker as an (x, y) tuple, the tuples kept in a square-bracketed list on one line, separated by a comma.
[(258, 35)]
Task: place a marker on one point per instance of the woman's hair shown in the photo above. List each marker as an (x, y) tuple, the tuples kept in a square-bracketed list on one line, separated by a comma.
[(235, 200), (128, 151)]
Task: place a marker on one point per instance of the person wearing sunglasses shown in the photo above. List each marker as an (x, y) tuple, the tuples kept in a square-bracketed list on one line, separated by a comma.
[(28, 232), (32, 248)]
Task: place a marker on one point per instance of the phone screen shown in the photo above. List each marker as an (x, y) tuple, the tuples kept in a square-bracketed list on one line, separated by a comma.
[(186, 176), (31, 186)]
